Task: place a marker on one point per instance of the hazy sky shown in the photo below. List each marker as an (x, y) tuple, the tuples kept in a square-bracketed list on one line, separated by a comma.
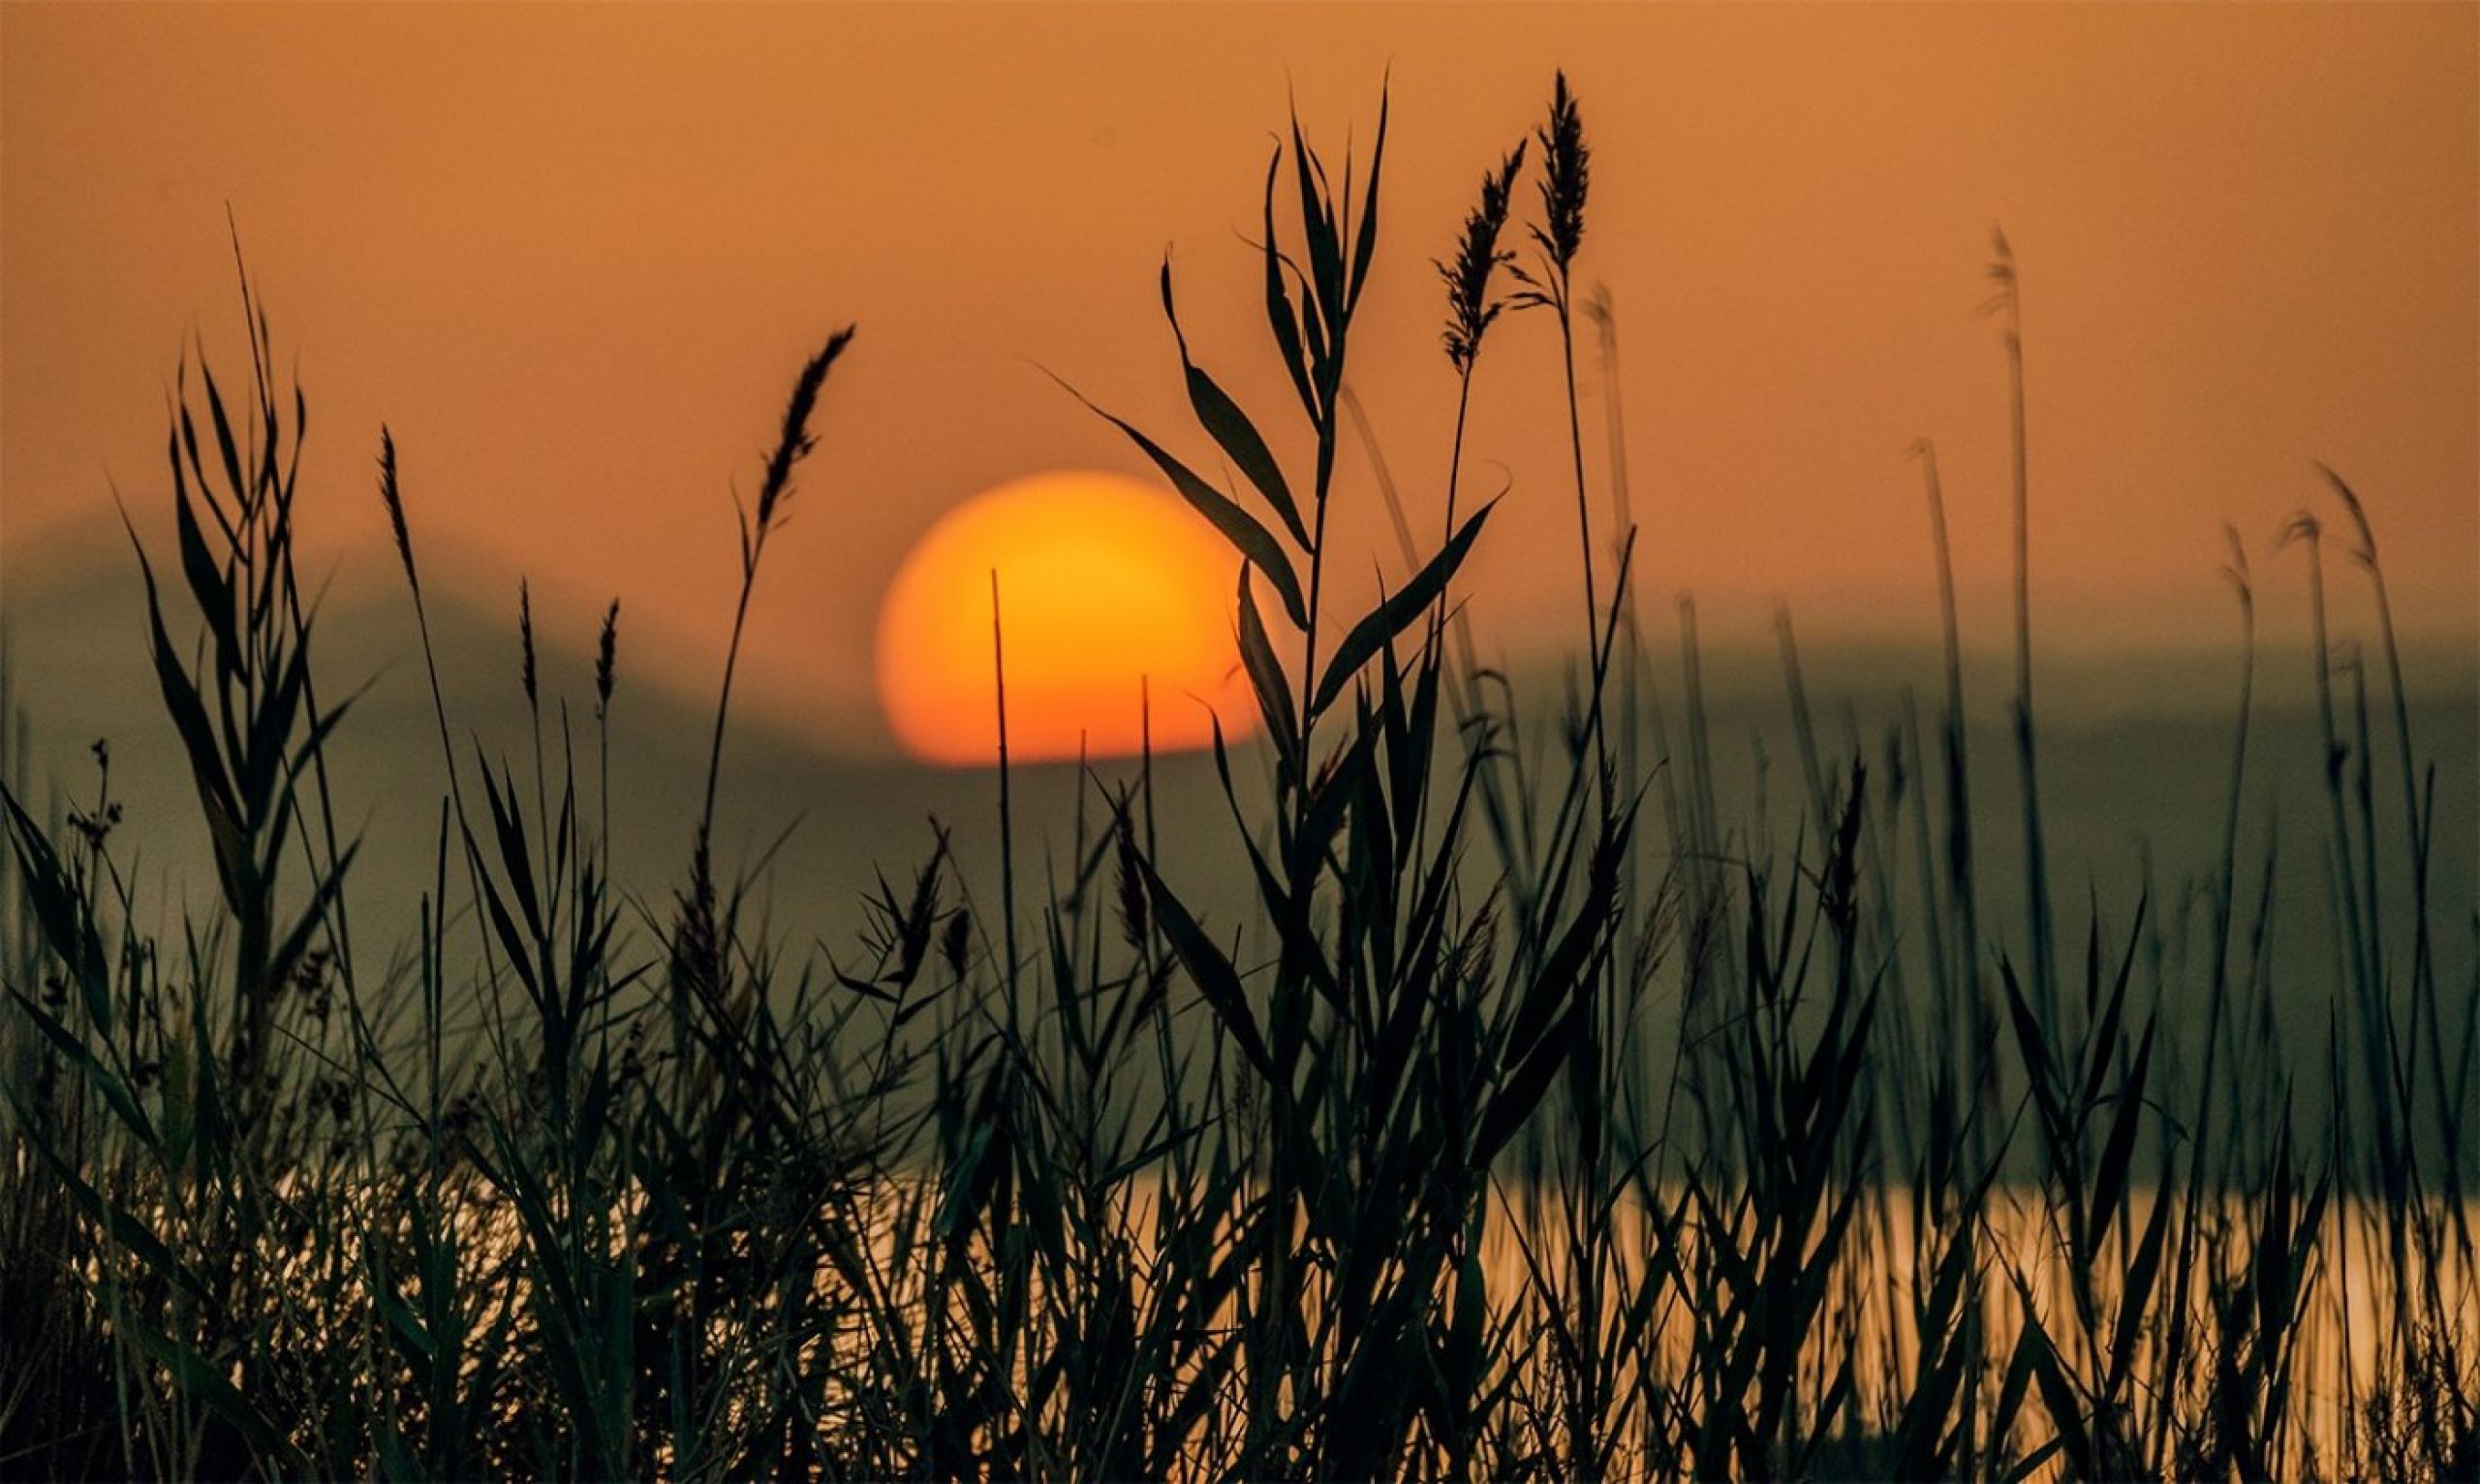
[(574, 253)]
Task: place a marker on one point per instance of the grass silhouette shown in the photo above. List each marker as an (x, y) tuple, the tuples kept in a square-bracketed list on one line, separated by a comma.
[(1566, 1128)]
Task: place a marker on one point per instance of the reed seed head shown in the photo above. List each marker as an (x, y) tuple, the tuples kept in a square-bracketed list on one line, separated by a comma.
[(796, 440), (956, 940), (2366, 553), (1470, 306), (2002, 272), (1565, 175), (393, 498), (525, 638), (1136, 925), (606, 656)]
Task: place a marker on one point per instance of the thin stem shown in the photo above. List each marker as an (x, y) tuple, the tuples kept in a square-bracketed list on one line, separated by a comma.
[(1584, 536), (1316, 591), (1006, 814), (723, 703), (2036, 858)]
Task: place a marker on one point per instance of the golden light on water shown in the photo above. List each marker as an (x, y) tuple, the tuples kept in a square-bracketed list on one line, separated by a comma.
[(1107, 587)]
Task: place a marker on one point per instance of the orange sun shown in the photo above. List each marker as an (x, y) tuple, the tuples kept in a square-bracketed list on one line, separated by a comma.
[(1105, 587)]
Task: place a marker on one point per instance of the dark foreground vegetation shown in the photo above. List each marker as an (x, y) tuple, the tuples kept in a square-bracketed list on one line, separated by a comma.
[(1532, 1120)]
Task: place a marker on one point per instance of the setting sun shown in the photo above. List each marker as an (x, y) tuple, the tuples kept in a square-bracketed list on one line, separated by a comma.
[(1106, 585)]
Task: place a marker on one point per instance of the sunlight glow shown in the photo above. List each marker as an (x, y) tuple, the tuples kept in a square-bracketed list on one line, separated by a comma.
[(1105, 586)]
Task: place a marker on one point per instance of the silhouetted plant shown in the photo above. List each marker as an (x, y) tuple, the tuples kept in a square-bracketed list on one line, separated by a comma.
[(1373, 1170)]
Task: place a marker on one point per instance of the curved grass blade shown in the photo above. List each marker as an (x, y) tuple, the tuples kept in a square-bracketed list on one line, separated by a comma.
[(1365, 247), (1397, 613), (1213, 973), (1281, 317), (1231, 429), (1267, 679), (1242, 530)]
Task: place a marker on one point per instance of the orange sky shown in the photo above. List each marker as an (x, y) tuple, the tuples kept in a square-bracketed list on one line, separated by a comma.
[(574, 255)]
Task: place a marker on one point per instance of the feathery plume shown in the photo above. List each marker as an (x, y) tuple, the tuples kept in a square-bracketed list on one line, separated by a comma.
[(1136, 925), (797, 441), (525, 637), (1470, 306), (606, 656), (956, 940), (395, 499), (1565, 168)]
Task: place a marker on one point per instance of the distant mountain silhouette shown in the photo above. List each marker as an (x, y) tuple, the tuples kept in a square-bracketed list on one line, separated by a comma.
[(2135, 759), (77, 670)]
